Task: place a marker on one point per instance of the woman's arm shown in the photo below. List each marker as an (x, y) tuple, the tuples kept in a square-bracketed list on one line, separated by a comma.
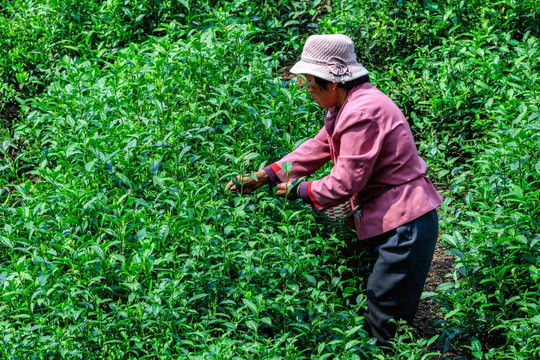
[(360, 145), (306, 159)]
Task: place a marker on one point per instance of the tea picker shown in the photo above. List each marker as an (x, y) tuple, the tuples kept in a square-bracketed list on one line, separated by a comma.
[(377, 180)]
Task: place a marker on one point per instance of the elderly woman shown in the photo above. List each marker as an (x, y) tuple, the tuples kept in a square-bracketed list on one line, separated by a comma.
[(375, 163)]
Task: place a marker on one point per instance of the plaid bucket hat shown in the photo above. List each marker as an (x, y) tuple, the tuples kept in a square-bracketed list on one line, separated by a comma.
[(329, 57)]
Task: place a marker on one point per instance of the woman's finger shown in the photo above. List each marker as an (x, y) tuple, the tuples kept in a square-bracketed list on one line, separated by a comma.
[(281, 189), (240, 182)]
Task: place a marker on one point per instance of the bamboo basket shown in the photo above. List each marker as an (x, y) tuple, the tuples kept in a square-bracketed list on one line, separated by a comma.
[(338, 219)]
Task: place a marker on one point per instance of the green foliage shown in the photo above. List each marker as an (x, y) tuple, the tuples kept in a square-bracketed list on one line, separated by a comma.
[(118, 240), (34, 35)]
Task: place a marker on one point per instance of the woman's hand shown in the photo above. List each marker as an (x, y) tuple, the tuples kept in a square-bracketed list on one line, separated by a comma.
[(282, 190), (247, 182)]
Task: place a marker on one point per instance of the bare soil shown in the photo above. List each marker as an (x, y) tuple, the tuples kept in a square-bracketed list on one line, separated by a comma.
[(9, 114), (428, 315)]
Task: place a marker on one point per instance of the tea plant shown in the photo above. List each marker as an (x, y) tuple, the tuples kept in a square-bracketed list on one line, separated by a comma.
[(127, 235)]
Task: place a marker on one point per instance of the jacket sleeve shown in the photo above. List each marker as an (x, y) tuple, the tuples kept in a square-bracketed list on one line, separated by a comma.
[(360, 145), (306, 159)]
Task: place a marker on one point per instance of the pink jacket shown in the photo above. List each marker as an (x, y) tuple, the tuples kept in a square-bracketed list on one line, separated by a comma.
[(371, 146)]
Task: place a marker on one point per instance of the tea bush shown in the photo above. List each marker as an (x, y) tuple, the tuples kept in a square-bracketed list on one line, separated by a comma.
[(90, 29), (124, 235)]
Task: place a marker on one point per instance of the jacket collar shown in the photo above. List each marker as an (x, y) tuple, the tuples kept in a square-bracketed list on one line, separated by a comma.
[(334, 112)]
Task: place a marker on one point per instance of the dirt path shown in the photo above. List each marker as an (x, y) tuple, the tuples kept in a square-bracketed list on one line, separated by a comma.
[(428, 311)]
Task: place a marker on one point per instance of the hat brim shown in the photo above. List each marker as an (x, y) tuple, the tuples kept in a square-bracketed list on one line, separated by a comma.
[(321, 71)]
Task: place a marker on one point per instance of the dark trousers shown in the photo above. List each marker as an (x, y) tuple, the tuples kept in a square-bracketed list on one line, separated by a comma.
[(402, 258)]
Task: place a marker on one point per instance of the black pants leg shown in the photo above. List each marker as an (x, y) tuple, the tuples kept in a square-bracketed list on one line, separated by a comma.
[(403, 257)]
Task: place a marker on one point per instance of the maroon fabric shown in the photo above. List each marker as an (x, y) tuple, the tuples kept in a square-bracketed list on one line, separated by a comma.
[(304, 193), (371, 146), (272, 177)]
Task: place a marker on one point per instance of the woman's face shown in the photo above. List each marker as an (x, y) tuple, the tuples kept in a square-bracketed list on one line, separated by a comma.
[(325, 98)]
